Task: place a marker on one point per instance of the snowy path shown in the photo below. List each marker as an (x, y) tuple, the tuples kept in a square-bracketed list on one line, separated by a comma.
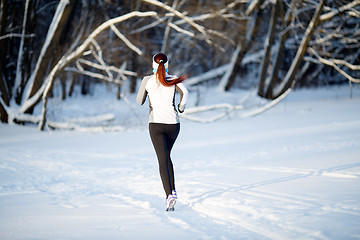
[(291, 173)]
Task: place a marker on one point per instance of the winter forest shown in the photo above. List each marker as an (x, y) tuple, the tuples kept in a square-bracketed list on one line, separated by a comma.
[(269, 143), (273, 46)]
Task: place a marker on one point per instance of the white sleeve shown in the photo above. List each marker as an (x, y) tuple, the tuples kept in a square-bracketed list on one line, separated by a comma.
[(183, 94)]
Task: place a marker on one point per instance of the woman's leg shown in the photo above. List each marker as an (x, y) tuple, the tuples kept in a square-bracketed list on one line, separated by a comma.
[(171, 135), (163, 137)]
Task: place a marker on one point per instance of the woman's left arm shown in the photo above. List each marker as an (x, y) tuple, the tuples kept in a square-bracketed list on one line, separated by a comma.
[(183, 96)]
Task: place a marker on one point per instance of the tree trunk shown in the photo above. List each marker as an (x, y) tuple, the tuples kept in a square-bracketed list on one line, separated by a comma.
[(235, 69), (134, 67), (118, 95), (251, 30), (268, 44), (3, 89), (280, 52), (289, 79), (17, 89), (52, 53), (72, 85), (63, 86), (4, 94)]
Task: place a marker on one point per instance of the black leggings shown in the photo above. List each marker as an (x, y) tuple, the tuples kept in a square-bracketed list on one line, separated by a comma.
[(163, 137)]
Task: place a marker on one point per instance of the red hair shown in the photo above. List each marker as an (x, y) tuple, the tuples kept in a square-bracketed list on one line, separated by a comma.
[(161, 59)]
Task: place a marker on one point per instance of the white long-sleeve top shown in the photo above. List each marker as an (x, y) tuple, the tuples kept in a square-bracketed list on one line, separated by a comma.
[(161, 99)]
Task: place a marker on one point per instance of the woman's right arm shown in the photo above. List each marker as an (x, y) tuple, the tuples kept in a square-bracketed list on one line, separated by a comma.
[(141, 96)]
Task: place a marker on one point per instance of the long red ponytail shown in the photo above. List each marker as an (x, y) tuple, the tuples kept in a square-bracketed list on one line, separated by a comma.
[(161, 59)]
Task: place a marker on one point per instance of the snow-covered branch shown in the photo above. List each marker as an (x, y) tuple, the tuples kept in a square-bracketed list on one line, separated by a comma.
[(78, 124), (216, 72), (266, 106), (188, 20), (334, 12), (207, 75), (228, 108), (333, 62), (246, 112)]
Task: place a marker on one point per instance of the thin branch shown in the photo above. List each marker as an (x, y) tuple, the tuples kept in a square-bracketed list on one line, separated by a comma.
[(112, 68), (167, 29), (180, 30), (99, 58), (94, 75), (162, 20), (151, 25), (126, 41), (232, 5), (198, 27), (10, 35)]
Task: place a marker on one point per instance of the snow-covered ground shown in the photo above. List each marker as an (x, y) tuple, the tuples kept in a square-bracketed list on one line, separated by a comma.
[(292, 172)]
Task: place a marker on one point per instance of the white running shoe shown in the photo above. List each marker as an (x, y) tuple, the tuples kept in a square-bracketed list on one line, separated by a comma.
[(170, 203)]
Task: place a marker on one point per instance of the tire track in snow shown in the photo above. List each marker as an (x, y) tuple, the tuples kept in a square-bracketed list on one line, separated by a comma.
[(302, 173), (207, 202)]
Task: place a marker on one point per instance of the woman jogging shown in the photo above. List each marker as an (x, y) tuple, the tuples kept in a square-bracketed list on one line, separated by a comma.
[(164, 125)]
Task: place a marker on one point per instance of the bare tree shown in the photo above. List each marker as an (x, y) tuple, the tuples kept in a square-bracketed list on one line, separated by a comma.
[(276, 9), (84, 42), (270, 85), (53, 47), (289, 79), (3, 86), (242, 46)]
